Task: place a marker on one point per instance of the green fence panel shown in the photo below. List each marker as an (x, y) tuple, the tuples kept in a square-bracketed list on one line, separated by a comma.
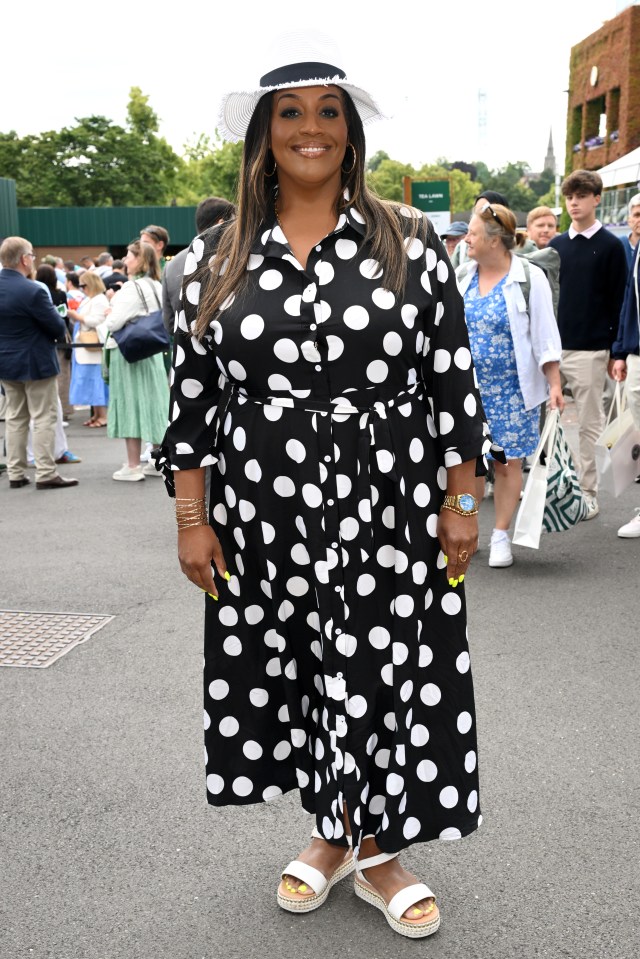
[(9, 223), (103, 226)]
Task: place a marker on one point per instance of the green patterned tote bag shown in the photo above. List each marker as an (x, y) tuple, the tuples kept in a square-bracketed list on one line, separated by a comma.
[(565, 504)]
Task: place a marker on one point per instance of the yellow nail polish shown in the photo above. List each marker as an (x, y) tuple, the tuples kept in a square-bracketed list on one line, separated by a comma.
[(227, 575), (446, 559), (302, 888), (461, 578), (213, 597)]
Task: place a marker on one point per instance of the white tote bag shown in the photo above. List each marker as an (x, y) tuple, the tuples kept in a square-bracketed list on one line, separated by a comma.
[(531, 513), (618, 447)]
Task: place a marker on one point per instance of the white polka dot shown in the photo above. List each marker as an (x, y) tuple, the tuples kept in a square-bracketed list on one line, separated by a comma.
[(470, 761), (228, 616), (384, 460), (324, 272), (268, 532), (379, 637), (232, 646), (297, 586), (462, 358), (419, 735), (366, 584), (408, 314), (346, 644), (237, 371), (451, 832), (247, 510), (252, 471), (191, 388), (462, 662), (427, 771), (356, 317), (252, 326), (282, 750), (335, 347), (406, 690), (400, 653), (449, 797), (229, 726), (392, 344), (388, 517), (386, 674), (470, 404), (278, 382), (414, 248), (464, 722), (451, 603), (215, 784), (270, 279), (441, 361), (286, 350), (239, 438), (255, 260), (446, 423), (383, 299), (419, 572), (273, 667), (346, 249), (370, 269), (395, 784), (252, 749), (285, 610), (472, 801), (411, 828), (357, 706), (425, 656), (377, 371), (295, 449), (404, 605), (284, 486), (271, 792), (442, 271), (416, 450), (422, 495), (311, 495), (259, 697), (377, 804), (430, 694), (300, 555), (218, 689), (242, 786), (254, 614), (292, 305)]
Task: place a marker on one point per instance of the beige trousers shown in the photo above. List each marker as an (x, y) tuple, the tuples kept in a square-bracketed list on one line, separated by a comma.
[(633, 386), (36, 400), (585, 372)]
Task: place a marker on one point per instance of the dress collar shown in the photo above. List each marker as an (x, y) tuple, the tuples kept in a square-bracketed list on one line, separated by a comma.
[(271, 241)]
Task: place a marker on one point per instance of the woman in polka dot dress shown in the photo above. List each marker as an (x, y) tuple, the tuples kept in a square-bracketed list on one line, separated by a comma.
[(322, 372)]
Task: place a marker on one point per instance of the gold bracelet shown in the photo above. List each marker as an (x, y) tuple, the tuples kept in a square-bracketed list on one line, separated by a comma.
[(460, 512), (191, 512)]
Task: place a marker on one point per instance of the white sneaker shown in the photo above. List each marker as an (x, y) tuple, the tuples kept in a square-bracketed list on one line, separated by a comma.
[(150, 470), (631, 530), (592, 508), (146, 456), (129, 474), (500, 554)]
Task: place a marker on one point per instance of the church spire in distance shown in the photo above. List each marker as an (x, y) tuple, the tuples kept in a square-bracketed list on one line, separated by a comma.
[(550, 160)]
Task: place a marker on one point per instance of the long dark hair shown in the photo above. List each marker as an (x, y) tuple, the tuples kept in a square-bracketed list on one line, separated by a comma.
[(226, 274)]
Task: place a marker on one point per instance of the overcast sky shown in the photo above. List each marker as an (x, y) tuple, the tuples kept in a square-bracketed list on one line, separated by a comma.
[(426, 62)]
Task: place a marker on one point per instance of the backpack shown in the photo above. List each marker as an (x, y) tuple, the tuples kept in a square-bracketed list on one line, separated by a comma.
[(548, 259)]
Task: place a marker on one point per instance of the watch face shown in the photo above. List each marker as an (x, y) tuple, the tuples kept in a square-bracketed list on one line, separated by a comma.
[(467, 502)]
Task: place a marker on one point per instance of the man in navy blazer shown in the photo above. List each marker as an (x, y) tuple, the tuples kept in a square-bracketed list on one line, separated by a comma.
[(29, 368)]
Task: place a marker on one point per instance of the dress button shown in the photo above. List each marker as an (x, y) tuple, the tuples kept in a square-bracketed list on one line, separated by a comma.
[(337, 588), (327, 459), (330, 502), (334, 546), (337, 631), (318, 248), (318, 368)]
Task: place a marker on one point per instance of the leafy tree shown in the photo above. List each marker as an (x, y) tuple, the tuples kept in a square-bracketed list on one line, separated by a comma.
[(387, 179), (374, 162), (95, 162), (210, 169)]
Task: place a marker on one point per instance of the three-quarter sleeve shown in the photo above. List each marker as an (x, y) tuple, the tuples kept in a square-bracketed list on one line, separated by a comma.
[(195, 383), (459, 420)]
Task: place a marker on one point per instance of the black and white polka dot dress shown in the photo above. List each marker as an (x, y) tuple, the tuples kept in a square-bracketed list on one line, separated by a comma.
[(336, 660)]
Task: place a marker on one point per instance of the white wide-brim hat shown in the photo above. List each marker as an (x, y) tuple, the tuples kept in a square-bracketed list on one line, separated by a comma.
[(302, 59)]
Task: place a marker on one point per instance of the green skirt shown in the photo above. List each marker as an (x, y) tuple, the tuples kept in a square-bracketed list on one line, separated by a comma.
[(138, 398)]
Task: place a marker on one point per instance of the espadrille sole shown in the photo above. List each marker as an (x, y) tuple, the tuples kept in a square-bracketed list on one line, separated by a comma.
[(413, 930), (309, 903)]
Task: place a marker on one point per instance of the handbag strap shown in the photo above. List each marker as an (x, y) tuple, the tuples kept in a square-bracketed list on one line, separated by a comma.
[(618, 403), (143, 298)]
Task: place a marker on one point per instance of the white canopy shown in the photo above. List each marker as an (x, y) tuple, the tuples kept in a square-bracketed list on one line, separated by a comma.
[(625, 170)]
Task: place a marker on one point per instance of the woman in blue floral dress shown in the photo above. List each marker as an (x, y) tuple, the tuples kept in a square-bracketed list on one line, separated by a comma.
[(516, 351)]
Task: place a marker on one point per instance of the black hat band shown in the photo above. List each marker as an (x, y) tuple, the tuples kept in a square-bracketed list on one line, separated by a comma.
[(299, 72)]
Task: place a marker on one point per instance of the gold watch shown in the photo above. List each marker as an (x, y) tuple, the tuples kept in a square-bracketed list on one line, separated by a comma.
[(463, 503)]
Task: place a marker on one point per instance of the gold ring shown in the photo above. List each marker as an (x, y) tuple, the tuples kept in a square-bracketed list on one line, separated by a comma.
[(463, 556)]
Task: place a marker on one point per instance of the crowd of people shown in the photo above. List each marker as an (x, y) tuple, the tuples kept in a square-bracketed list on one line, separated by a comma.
[(57, 321)]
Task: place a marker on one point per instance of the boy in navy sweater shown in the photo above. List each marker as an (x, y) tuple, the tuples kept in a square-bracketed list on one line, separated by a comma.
[(593, 272)]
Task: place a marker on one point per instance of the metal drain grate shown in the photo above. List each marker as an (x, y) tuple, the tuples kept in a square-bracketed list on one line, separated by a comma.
[(38, 639)]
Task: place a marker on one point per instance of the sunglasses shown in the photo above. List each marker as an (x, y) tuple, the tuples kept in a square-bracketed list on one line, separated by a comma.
[(493, 213), (82, 286)]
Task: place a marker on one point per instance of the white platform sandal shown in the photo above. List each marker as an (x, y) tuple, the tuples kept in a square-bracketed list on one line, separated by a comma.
[(402, 900), (314, 879)]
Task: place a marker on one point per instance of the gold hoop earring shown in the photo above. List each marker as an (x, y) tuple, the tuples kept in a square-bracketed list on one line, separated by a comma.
[(355, 159), (273, 172)]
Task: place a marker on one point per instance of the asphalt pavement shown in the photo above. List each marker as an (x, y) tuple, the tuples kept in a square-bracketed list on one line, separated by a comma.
[(108, 849)]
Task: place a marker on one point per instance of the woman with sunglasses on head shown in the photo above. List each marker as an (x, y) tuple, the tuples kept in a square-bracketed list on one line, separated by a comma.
[(516, 352), (323, 374), (87, 385)]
